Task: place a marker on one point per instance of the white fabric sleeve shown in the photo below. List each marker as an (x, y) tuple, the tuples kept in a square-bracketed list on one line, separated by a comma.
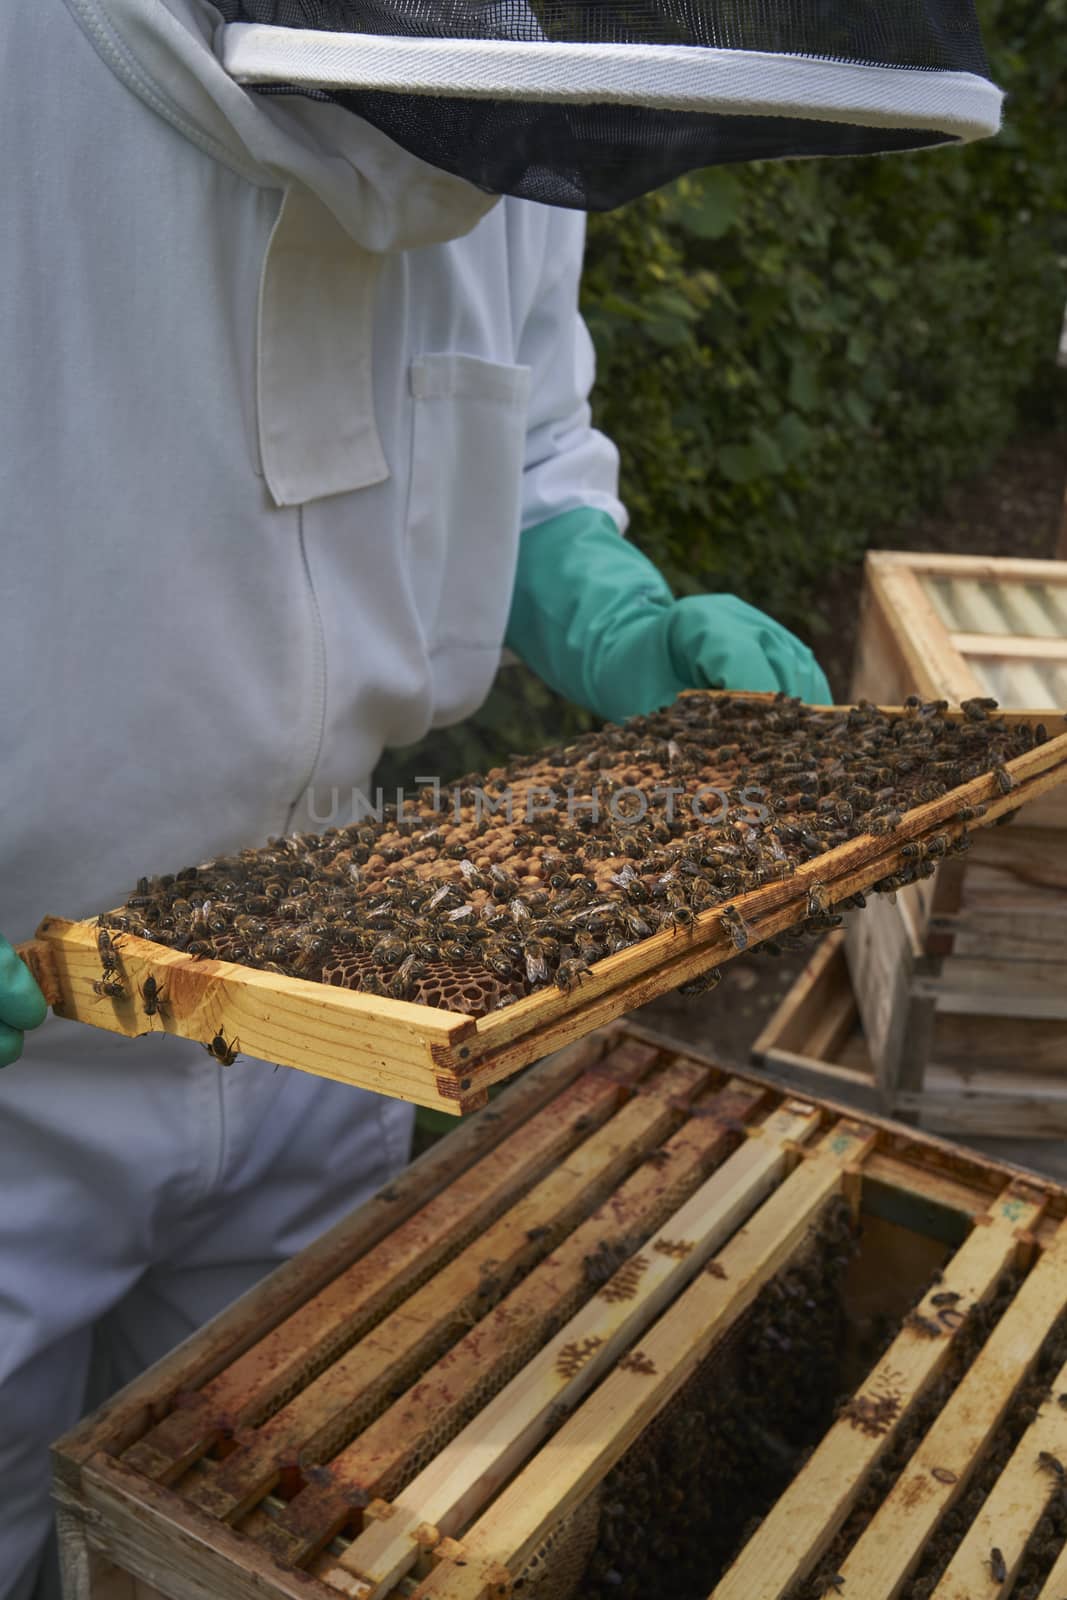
[(568, 462)]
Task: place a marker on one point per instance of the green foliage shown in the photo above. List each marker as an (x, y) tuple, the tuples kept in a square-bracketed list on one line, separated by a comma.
[(795, 357)]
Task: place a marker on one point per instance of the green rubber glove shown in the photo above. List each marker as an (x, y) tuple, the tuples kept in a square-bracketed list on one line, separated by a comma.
[(22, 1005), (594, 618)]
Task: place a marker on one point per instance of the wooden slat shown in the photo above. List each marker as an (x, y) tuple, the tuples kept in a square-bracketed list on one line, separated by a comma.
[(972, 1043), (881, 959), (796, 1534), (938, 1473), (790, 1027), (146, 1531), (598, 1434), (252, 1317), (389, 1046), (804, 1074), (1056, 1583), (993, 569), (522, 1321), (462, 1477), (1012, 1511), (1009, 647), (991, 1102), (360, 1294), (313, 1423), (937, 668), (994, 988)]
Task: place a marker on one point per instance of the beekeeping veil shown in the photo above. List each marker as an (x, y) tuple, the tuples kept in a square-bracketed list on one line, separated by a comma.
[(588, 103)]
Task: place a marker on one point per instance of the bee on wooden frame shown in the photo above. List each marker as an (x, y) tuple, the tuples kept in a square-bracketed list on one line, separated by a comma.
[(224, 1053)]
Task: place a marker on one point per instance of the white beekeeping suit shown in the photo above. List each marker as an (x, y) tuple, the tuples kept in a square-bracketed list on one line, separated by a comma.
[(261, 500)]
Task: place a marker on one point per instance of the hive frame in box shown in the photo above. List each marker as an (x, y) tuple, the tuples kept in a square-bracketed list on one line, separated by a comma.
[(987, 936), (126, 1535), (448, 1060)]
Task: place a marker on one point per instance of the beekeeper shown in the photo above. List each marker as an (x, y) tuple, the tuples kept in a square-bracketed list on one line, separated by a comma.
[(279, 397)]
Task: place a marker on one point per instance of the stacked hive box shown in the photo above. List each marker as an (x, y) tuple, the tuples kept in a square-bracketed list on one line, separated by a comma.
[(586, 1341), (962, 984)]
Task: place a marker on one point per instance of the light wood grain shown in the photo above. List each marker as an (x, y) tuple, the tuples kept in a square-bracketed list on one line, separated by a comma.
[(937, 1475), (473, 1370), (1009, 647), (796, 1534), (820, 980), (989, 569), (593, 1439), (147, 1532), (1012, 1510), (320, 1416), (467, 1473), (389, 1270)]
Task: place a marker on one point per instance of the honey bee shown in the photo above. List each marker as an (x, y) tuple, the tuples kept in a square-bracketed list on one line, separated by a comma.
[(153, 997), (1003, 779), (818, 900), (734, 924), (568, 973), (402, 984), (535, 957), (390, 951), (702, 984), (225, 1054), (108, 958), (998, 1567), (108, 989)]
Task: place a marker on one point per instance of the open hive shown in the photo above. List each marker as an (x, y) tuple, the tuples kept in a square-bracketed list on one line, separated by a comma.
[(467, 934), (644, 1328)]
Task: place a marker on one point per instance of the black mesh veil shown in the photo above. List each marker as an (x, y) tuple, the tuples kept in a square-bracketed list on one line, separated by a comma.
[(721, 80)]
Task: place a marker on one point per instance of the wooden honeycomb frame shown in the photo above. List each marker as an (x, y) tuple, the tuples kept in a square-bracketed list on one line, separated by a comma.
[(230, 1467), (446, 1059)]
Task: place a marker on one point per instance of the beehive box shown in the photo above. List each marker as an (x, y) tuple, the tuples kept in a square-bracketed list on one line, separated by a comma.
[(643, 1328), (987, 937), (958, 626), (814, 807), (979, 1076)]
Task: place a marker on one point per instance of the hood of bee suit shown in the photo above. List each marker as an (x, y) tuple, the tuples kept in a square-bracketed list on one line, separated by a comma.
[(589, 103), (351, 197)]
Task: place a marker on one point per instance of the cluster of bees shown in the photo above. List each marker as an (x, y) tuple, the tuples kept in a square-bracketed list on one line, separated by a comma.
[(682, 1501), (439, 903)]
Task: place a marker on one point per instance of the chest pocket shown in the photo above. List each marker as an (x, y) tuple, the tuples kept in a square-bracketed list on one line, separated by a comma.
[(468, 438)]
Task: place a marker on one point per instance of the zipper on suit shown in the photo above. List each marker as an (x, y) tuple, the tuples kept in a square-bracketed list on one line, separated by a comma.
[(318, 684)]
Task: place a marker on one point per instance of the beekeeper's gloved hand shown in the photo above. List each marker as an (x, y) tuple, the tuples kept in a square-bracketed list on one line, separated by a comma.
[(594, 618), (22, 1005)]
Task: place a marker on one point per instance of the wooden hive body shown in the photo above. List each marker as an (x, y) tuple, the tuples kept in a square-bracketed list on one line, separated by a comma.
[(460, 1391), (962, 983)]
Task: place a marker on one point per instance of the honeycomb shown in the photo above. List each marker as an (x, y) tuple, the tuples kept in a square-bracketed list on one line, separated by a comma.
[(470, 897)]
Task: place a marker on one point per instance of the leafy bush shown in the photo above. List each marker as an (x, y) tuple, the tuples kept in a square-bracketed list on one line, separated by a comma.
[(794, 357)]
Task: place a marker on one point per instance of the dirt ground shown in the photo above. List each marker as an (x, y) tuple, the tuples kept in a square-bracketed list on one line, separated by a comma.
[(1013, 509)]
